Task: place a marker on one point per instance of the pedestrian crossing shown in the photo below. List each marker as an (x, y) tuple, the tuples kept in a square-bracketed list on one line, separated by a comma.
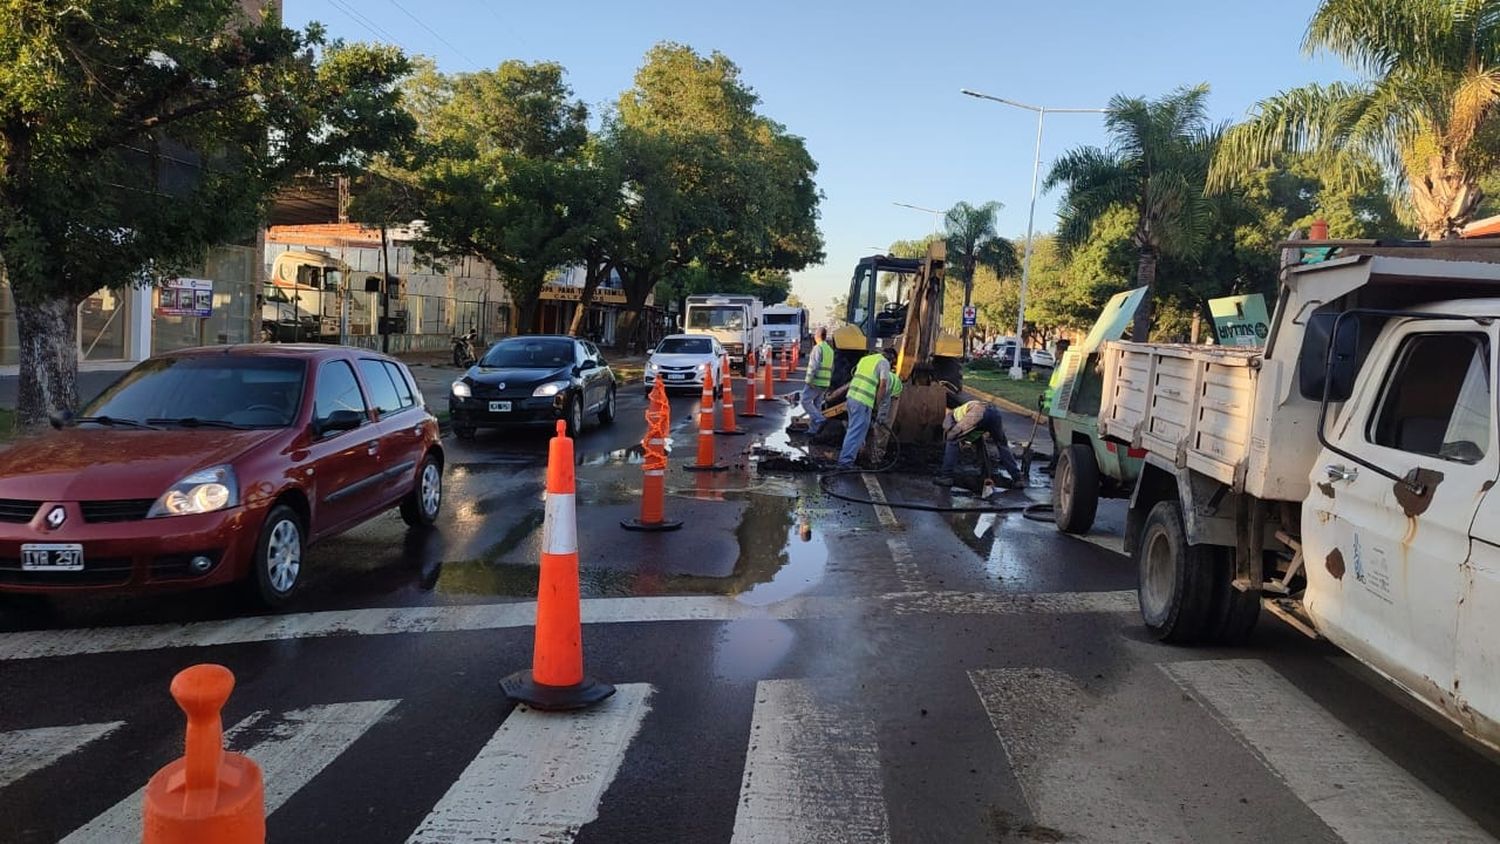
[(822, 762)]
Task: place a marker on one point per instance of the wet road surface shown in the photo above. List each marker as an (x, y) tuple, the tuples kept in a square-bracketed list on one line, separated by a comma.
[(792, 667)]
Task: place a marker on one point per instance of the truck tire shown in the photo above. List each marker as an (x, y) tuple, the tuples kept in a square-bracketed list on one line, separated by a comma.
[(1175, 579), (1075, 489), (1234, 613)]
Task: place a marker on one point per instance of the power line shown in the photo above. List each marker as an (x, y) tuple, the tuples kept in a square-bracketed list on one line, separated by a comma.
[(434, 33), (375, 29), (503, 22)]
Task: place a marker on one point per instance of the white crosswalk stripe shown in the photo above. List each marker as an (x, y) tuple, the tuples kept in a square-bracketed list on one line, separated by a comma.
[(541, 776), (812, 772), (1360, 793), (24, 751), (290, 750)]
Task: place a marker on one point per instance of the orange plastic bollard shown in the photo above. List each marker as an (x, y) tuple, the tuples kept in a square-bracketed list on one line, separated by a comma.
[(556, 679), (769, 390), (727, 425), (706, 462), (750, 411), (654, 446), (209, 794), (796, 354)]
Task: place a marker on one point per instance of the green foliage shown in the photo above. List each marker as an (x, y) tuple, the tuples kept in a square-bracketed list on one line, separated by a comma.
[(133, 134), (973, 243)]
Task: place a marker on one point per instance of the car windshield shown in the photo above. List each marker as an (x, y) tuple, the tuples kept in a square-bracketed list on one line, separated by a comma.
[(209, 390), (686, 346), (781, 319), (531, 353), (731, 318)]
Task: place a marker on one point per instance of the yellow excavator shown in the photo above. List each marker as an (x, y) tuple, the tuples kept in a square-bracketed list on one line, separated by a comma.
[(928, 359)]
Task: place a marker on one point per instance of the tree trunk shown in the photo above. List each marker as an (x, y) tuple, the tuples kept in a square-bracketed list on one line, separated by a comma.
[(526, 310), (48, 360), (593, 275), (1445, 198), (1145, 277)]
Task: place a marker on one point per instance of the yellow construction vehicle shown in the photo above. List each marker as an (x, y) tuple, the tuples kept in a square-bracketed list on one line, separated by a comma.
[(928, 358)]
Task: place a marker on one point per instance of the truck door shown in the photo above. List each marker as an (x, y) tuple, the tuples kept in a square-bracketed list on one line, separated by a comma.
[(1386, 560), (1477, 684)]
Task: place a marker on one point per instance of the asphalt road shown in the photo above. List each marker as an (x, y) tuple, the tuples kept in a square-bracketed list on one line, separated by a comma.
[(791, 667)]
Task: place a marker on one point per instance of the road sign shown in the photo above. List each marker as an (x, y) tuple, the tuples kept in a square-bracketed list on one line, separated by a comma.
[(970, 316)]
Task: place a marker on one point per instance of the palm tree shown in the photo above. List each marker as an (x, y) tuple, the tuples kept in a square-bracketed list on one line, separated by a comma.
[(1156, 165), (1427, 110), (973, 243)]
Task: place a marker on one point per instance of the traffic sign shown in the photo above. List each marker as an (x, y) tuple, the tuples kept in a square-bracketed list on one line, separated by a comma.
[(970, 316)]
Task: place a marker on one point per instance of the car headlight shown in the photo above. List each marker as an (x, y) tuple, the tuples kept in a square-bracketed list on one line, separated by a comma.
[(201, 492), (461, 390), (551, 388), (650, 366)]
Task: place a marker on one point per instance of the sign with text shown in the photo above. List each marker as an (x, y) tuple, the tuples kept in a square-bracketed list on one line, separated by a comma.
[(569, 293), (190, 297), (1240, 320), (971, 316)]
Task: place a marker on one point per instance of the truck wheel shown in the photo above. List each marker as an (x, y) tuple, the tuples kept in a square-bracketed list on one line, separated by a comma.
[(1176, 578), (1234, 613), (1075, 489)]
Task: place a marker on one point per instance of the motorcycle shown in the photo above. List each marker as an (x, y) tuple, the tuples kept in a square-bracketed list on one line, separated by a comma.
[(464, 355)]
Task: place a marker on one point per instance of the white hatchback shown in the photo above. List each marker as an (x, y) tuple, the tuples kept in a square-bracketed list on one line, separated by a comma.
[(679, 358)]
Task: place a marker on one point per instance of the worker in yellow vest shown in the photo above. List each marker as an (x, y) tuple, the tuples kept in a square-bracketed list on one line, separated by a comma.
[(971, 421), (867, 389), (819, 376)]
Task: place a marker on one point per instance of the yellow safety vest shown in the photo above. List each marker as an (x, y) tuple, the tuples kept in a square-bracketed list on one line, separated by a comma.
[(893, 381), (961, 411), (823, 375), (864, 386)]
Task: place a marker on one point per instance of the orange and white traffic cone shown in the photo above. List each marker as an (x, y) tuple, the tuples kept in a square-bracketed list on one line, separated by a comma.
[(750, 365), (768, 392), (209, 794), (796, 354), (653, 488), (706, 462), (556, 679), (727, 425)]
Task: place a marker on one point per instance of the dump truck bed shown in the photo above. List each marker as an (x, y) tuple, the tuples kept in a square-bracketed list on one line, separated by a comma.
[(1191, 405)]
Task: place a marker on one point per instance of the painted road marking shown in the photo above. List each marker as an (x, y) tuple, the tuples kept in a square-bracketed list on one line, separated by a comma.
[(1072, 772), (290, 750), (906, 565), (1359, 792), (541, 776), (24, 751), (452, 619), (812, 772)]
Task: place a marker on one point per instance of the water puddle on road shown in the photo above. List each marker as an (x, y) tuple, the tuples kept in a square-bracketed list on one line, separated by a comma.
[(806, 559)]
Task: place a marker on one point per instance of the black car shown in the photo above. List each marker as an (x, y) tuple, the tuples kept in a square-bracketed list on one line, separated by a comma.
[(533, 380)]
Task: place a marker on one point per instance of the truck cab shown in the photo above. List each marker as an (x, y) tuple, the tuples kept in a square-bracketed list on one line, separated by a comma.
[(732, 319), (786, 326)]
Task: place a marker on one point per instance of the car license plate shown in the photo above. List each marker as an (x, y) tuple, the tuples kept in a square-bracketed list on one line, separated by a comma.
[(676, 376), (499, 407), (51, 557)]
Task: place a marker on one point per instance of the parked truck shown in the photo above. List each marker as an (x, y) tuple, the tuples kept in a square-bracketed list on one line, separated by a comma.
[(1341, 477), (734, 319), (786, 326)]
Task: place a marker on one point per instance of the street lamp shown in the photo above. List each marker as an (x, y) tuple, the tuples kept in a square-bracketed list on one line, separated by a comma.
[(1036, 167), (937, 216)]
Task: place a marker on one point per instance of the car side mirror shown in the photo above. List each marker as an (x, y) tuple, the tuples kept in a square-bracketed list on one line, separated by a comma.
[(1330, 357), (587, 365), (341, 420), (1343, 359)]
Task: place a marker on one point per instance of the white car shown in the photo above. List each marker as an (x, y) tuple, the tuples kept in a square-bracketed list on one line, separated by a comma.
[(679, 358), (1043, 358)]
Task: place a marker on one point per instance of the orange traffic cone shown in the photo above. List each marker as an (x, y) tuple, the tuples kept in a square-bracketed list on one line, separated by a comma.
[(556, 679), (750, 411), (796, 354), (653, 489), (768, 392), (706, 462), (209, 794), (727, 425)]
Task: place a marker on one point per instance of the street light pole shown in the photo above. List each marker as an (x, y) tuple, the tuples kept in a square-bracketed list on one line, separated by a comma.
[(1036, 167)]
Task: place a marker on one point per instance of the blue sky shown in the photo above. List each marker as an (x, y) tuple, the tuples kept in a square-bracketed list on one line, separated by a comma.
[(873, 86)]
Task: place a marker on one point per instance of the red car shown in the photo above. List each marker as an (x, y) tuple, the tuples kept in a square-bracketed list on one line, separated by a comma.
[(214, 465)]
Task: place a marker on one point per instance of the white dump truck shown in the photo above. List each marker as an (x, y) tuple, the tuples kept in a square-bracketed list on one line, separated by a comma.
[(786, 326), (1341, 477), (733, 319)]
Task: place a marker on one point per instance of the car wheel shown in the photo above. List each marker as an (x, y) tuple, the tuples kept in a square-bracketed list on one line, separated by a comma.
[(278, 557), (421, 506), (607, 413), (575, 415)]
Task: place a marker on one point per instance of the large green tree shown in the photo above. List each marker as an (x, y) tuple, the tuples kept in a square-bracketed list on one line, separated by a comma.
[(708, 180), (1156, 165), (136, 134), (972, 244), (1428, 108)]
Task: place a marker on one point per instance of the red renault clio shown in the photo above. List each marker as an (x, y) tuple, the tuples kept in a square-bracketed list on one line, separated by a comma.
[(217, 464)]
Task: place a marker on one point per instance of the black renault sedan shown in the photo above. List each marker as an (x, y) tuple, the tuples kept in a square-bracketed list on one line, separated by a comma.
[(533, 380)]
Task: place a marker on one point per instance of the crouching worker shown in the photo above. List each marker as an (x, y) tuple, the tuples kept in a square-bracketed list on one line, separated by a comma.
[(970, 421)]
